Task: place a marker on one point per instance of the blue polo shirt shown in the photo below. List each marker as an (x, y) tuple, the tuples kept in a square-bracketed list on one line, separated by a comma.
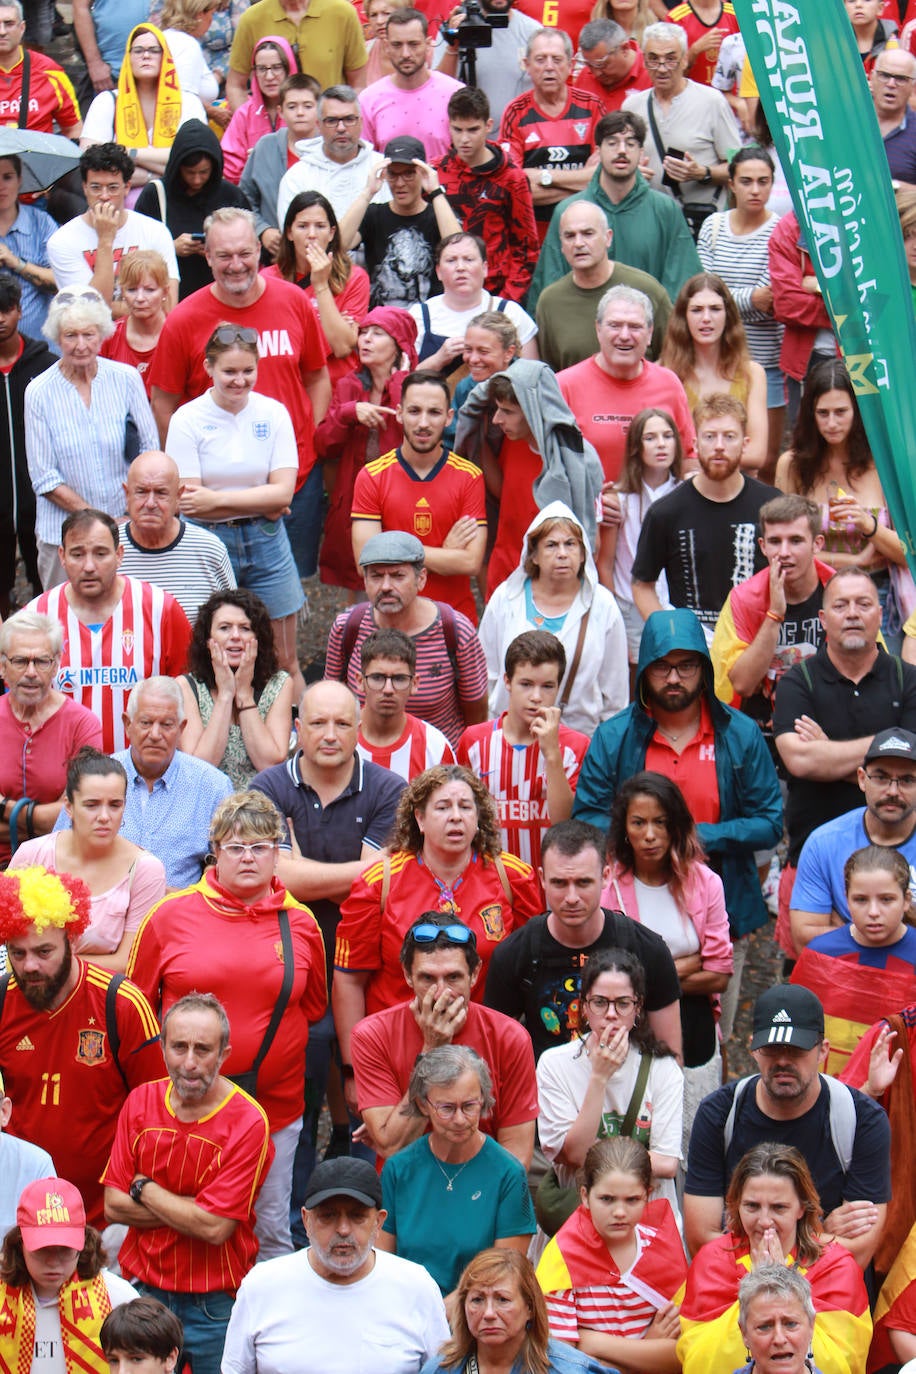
[(363, 813), (900, 146)]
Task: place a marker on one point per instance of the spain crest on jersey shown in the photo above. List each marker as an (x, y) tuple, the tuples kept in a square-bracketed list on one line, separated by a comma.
[(493, 924), (90, 1049), (422, 523)]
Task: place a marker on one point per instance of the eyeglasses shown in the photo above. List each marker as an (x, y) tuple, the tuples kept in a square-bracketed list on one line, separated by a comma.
[(43, 662), (272, 70), (257, 851), (656, 64), (882, 780), (599, 64), (663, 669), (407, 175), (426, 934), (70, 295), (892, 78), (233, 333), (146, 52), (333, 120), (399, 681), (599, 1005), (447, 1110)]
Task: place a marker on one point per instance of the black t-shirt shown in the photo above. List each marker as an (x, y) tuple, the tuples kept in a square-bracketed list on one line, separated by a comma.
[(710, 1167), (703, 547), (400, 255), (532, 977), (800, 635), (843, 709)]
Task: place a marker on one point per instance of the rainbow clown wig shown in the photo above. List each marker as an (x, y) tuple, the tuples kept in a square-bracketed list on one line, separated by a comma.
[(34, 897)]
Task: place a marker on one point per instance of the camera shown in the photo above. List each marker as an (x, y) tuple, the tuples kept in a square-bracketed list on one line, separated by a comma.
[(476, 28)]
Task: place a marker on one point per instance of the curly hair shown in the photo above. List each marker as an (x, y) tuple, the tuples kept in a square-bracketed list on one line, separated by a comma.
[(496, 1267), (684, 843), (678, 350), (90, 1262), (341, 265), (809, 447), (778, 1161), (200, 665), (622, 961), (416, 796)]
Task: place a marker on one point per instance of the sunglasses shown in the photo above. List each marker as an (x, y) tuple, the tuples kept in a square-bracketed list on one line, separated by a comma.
[(232, 333), (70, 295), (426, 934)]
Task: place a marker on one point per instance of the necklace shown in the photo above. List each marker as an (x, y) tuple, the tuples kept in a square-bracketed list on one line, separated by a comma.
[(687, 729), (447, 901), (450, 1178)]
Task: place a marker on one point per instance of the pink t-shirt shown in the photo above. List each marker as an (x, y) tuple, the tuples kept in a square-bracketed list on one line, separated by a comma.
[(604, 407), (389, 112), (121, 909)]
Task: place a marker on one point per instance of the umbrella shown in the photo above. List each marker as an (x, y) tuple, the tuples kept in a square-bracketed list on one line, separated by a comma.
[(45, 157)]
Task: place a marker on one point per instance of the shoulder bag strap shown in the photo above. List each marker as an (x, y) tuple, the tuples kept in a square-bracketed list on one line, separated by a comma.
[(639, 1091), (24, 92), (286, 988), (656, 136), (577, 657), (160, 195), (504, 878)]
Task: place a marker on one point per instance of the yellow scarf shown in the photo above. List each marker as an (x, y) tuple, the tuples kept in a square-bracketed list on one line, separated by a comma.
[(130, 126), (83, 1306)]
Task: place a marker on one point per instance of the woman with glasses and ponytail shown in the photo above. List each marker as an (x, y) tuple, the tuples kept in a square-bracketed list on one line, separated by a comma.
[(237, 457)]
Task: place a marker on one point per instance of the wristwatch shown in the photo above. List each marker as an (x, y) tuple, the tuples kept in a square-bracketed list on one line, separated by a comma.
[(707, 177), (546, 177), (136, 1189)]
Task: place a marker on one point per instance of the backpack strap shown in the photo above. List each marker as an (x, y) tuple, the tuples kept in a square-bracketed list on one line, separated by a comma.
[(842, 1117), (450, 634), (503, 878), (351, 629), (111, 1023), (4, 984), (728, 1130), (386, 884)]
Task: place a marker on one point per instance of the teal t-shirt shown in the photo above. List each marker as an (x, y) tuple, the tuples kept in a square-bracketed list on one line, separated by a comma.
[(444, 1230)]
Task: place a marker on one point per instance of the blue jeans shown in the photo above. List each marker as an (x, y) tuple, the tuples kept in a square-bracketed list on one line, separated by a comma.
[(205, 1318), (263, 563), (305, 521)]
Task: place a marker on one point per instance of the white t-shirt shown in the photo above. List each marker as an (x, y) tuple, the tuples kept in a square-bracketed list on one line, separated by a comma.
[(98, 125), (49, 1348), (225, 452), (287, 1320), (72, 248), (449, 323), (194, 76), (660, 912)]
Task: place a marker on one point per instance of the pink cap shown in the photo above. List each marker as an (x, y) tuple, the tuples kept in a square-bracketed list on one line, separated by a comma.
[(51, 1212)]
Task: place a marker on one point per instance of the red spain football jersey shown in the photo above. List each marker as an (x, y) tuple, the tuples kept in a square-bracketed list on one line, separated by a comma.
[(703, 67)]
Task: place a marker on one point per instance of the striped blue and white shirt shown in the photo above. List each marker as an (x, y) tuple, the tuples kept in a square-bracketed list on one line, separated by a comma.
[(28, 237)]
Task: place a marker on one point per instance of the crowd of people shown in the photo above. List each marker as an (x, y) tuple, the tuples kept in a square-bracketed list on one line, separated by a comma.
[(378, 1012)]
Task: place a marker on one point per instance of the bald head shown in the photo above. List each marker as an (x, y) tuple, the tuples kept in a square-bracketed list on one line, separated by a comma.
[(585, 241), (892, 82), (152, 499), (327, 726)]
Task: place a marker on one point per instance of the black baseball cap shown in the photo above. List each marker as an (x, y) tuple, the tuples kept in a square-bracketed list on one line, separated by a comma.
[(892, 744), (404, 149), (788, 1015), (344, 1177)]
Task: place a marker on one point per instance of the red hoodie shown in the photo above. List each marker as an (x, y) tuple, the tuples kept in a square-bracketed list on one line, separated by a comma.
[(494, 202)]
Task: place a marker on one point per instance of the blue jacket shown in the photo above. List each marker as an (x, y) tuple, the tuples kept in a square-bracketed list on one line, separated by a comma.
[(750, 803), (561, 1359)]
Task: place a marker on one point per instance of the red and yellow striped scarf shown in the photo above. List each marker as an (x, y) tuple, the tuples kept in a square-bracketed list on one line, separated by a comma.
[(83, 1306)]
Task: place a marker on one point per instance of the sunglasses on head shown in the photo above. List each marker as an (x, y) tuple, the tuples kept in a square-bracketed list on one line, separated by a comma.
[(233, 333), (427, 934), (70, 295)]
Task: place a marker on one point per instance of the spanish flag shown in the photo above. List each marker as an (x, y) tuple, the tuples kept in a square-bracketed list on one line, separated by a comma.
[(710, 1341), (896, 1306), (577, 1257), (857, 985)]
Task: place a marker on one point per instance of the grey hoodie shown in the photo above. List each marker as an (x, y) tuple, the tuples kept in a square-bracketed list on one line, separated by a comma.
[(572, 470)]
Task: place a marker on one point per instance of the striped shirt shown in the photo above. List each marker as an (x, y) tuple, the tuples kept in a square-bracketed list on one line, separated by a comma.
[(146, 634), (70, 444), (743, 263), (420, 746), (192, 567), (27, 237), (616, 1309), (516, 777)]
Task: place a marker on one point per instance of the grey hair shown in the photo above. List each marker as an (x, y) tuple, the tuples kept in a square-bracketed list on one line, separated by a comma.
[(550, 33), (89, 308), (13, 5), (159, 686), (602, 31), (230, 214), (773, 1281), (665, 33), (31, 622), (444, 1065), (341, 92), (630, 296), (199, 1001)]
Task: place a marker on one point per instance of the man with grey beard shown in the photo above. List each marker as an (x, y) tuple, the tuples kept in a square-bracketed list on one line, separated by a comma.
[(341, 1304)]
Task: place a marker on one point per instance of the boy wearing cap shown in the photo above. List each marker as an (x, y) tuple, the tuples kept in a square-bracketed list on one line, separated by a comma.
[(399, 237), (55, 1293), (845, 1141), (887, 778), (340, 1305)]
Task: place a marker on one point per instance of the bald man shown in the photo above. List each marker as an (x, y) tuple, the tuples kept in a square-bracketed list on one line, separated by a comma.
[(566, 310), (160, 547), (340, 810)]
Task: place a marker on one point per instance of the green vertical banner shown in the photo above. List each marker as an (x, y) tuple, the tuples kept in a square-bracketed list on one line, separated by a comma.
[(820, 112)]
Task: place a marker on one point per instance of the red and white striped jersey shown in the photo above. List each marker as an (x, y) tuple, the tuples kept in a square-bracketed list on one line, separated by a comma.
[(146, 634), (615, 1310), (516, 777), (421, 746)]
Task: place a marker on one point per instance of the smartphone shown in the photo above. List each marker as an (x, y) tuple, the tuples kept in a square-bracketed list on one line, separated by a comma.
[(198, 238), (666, 180)]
